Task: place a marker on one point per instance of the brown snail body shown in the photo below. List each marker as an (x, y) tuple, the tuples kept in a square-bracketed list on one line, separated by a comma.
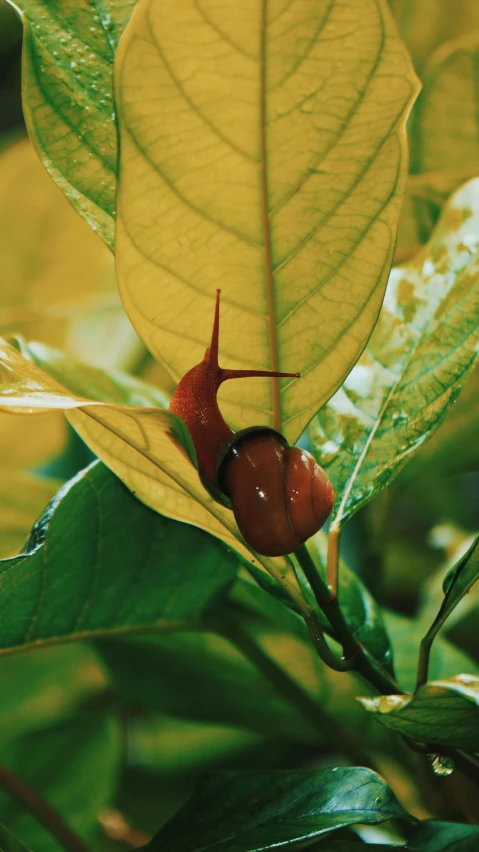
[(279, 495)]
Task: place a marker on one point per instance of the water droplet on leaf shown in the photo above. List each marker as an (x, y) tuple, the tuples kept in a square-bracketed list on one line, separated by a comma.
[(441, 765)]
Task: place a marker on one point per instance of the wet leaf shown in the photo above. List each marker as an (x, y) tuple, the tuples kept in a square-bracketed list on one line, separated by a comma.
[(237, 172), (129, 567), (68, 52), (422, 350), (149, 448), (441, 712), (257, 811)]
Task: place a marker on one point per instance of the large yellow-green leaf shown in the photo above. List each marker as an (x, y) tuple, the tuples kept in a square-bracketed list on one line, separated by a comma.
[(68, 53), (445, 712), (144, 446), (425, 344), (263, 152)]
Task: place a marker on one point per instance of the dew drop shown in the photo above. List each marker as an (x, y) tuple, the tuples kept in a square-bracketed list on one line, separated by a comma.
[(441, 765)]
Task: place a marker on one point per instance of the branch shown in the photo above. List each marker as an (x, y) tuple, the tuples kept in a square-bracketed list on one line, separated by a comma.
[(41, 810)]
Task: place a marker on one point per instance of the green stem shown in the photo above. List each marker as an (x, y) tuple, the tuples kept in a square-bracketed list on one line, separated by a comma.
[(352, 649), (41, 810)]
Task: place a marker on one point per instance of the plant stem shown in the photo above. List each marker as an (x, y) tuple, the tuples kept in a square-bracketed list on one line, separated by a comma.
[(352, 649), (423, 660), (41, 810), (332, 561)]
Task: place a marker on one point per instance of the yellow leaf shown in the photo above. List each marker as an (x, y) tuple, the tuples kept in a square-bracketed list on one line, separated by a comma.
[(143, 446), (57, 281), (22, 499), (262, 152)]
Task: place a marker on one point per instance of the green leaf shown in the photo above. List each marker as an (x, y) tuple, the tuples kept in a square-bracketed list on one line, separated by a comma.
[(75, 765), (128, 569), (45, 686), (435, 836), (263, 153), (9, 843), (68, 52), (202, 677), (405, 635), (256, 811), (420, 354), (442, 712)]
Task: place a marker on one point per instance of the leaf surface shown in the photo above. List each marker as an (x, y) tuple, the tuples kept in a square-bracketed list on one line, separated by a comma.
[(148, 448), (75, 765), (257, 811), (420, 354), (442, 712), (263, 153), (130, 568), (9, 843), (434, 836), (68, 52)]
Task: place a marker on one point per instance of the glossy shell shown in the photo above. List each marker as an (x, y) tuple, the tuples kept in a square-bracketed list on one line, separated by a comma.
[(279, 495)]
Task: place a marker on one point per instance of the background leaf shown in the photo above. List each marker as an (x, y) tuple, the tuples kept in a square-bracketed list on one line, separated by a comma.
[(420, 354), (130, 568), (442, 712), (9, 843), (22, 499), (68, 53), (435, 836), (75, 765), (256, 190), (250, 812)]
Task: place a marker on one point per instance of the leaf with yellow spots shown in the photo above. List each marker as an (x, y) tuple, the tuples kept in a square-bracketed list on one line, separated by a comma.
[(123, 420), (424, 347), (262, 151), (68, 52)]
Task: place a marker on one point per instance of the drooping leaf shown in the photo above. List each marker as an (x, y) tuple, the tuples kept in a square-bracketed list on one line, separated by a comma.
[(68, 53), (422, 351), (128, 568), (257, 811), (22, 499), (434, 836), (150, 449), (442, 712), (75, 765), (263, 153), (9, 843)]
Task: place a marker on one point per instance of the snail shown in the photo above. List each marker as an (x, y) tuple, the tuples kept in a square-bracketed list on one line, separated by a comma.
[(279, 495)]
